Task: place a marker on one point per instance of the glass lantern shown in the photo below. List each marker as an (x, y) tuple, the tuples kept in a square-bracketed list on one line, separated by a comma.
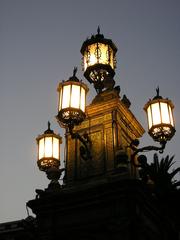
[(98, 59), (160, 118), (72, 101), (48, 150)]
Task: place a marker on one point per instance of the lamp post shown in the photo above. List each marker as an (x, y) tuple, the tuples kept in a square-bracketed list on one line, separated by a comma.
[(99, 68), (48, 159), (97, 188)]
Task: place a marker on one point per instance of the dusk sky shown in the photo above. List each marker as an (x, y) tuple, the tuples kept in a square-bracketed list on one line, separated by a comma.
[(40, 43)]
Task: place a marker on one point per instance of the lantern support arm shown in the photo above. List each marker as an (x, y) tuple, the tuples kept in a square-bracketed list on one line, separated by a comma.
[(85, 140), (136, 150)]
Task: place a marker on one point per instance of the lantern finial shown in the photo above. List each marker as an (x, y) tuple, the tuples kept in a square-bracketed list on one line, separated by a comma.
[(157, 91), (75, 71), (49, 129), (98, 30), (49, 125), (74, 78), (157, 94)]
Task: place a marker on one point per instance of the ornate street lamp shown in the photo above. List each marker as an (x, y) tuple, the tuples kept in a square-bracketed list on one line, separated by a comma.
[(71, 109), (160, 125), (99, 68), (48, 159), (160, 118), (99, 60), (72, 101)]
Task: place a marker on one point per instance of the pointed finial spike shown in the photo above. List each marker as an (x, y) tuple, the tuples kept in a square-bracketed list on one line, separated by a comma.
[(157, 91), (74, 71), (157, 94), (49, 131), (49, 125), (98, 30)]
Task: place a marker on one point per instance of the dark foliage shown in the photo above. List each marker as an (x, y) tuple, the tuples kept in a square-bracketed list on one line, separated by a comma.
[(160, 175)]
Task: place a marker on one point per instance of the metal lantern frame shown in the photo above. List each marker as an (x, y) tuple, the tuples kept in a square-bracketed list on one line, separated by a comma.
[(48, 150), (99, 59), (70, 112), (160, 119)]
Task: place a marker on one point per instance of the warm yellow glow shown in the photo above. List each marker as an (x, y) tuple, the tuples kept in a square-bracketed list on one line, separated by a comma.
[(85, 60), (66, 96), (171, 116), (101, 54), (75, 96), (72, 95), (165, 113), (56, 148), (161, 113), (156, 117), (92, 60), (60, 99), (48, 147), (111, 57), (104, 58), (160, 119), (92, 57), (149, 117), (41, 148), (83, 98)]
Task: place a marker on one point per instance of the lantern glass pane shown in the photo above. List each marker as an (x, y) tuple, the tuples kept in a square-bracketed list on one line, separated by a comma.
[(171, 116), (156, 117), (104, 53), (60, 99), (48, 147), (85, 59), (92, 58), (56, 148), (75, 96), (41, 148), (111, 57), (165, 113), (66, 96), (83, 98), (149, 115)]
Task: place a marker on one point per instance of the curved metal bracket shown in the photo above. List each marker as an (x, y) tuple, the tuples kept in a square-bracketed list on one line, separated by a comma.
[(136, 150), (85, 152)]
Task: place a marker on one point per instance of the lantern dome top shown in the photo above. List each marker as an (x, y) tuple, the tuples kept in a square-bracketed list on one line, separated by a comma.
[(49, 130), (100, 39), (73, 77)]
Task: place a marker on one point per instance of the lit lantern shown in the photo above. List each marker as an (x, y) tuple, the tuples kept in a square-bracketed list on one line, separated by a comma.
[(160, 118), (48, 150), (72, 101), (99, 60)]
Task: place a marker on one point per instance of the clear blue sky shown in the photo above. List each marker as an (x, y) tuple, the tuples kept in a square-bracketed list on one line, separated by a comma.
[(39, 46)]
